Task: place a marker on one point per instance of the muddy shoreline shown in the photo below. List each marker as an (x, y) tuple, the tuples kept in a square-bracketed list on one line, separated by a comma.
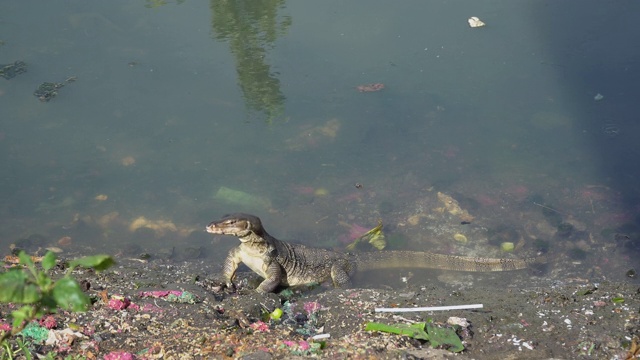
[(571, 319)]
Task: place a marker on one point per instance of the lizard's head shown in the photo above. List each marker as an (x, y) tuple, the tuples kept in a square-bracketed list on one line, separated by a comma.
[(239, 225)]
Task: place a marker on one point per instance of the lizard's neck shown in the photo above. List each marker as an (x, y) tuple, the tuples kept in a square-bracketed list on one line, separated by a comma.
[(254, 238)]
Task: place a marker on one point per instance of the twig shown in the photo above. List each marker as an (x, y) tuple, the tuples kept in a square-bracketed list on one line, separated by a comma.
[(549, 208), (322, 219)]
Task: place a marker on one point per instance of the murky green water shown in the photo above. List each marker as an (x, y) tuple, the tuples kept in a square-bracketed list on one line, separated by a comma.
[(184, 111)]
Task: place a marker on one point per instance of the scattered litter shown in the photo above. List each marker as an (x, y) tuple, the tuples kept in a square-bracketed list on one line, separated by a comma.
[(432, 308), (119, 355), (118, 302), (49, 322), (36, 332), (63, 338), (303, 348), (598, 97), (260, 326), (475, 22), (462, 322), (171, 296), (521, 343), (276, 314), (4, 326), (321, 336)]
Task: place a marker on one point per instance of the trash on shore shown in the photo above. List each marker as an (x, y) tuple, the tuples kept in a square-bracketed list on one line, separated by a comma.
[(431, 308)]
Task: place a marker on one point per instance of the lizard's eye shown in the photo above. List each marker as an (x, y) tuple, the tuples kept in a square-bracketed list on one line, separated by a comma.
[(230, 222)]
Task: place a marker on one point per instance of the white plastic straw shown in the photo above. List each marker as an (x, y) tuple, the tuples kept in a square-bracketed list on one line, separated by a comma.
[(432, 308)]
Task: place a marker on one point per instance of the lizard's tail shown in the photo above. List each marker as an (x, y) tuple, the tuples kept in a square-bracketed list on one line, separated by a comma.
[(426, 260)]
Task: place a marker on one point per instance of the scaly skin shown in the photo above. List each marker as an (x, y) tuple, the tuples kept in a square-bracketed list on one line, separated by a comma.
[(281, 263)]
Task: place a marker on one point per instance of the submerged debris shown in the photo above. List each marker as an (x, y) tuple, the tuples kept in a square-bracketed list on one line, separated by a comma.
[(48, 90), (375, 237), (452, 207), (9, 71)]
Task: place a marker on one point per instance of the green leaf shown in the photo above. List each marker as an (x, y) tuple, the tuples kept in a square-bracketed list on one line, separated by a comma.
[(25, 259), (444, 336), (68, 294), (24, 314), (416, 330), (43, 281), (17, 288), (618, 300), (49, 261), (98, 262)]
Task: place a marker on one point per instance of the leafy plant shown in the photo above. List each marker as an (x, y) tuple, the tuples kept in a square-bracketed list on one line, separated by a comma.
[(40, 294)]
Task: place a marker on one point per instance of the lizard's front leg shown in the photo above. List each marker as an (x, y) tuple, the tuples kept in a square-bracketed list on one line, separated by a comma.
[(340, 274), (230, 266), (273, 278)]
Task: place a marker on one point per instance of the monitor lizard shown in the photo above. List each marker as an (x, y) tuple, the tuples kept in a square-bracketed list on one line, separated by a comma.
[(288, 264)]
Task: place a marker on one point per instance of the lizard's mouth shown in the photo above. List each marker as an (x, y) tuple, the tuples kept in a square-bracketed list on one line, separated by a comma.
[(212, 229), (218, 230)]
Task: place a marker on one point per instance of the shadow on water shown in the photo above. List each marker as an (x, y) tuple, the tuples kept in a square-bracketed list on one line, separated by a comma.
[(591, 48)]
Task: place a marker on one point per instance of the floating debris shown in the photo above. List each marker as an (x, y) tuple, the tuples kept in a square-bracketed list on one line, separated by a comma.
[(375, 237), (598, 97), (128, 161), (48, 90), (370, 87), (610, 129), (475, 22), (9, 71)]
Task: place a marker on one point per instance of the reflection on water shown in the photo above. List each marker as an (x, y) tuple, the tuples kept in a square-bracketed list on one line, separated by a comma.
[(251, 29), (163, 130)]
